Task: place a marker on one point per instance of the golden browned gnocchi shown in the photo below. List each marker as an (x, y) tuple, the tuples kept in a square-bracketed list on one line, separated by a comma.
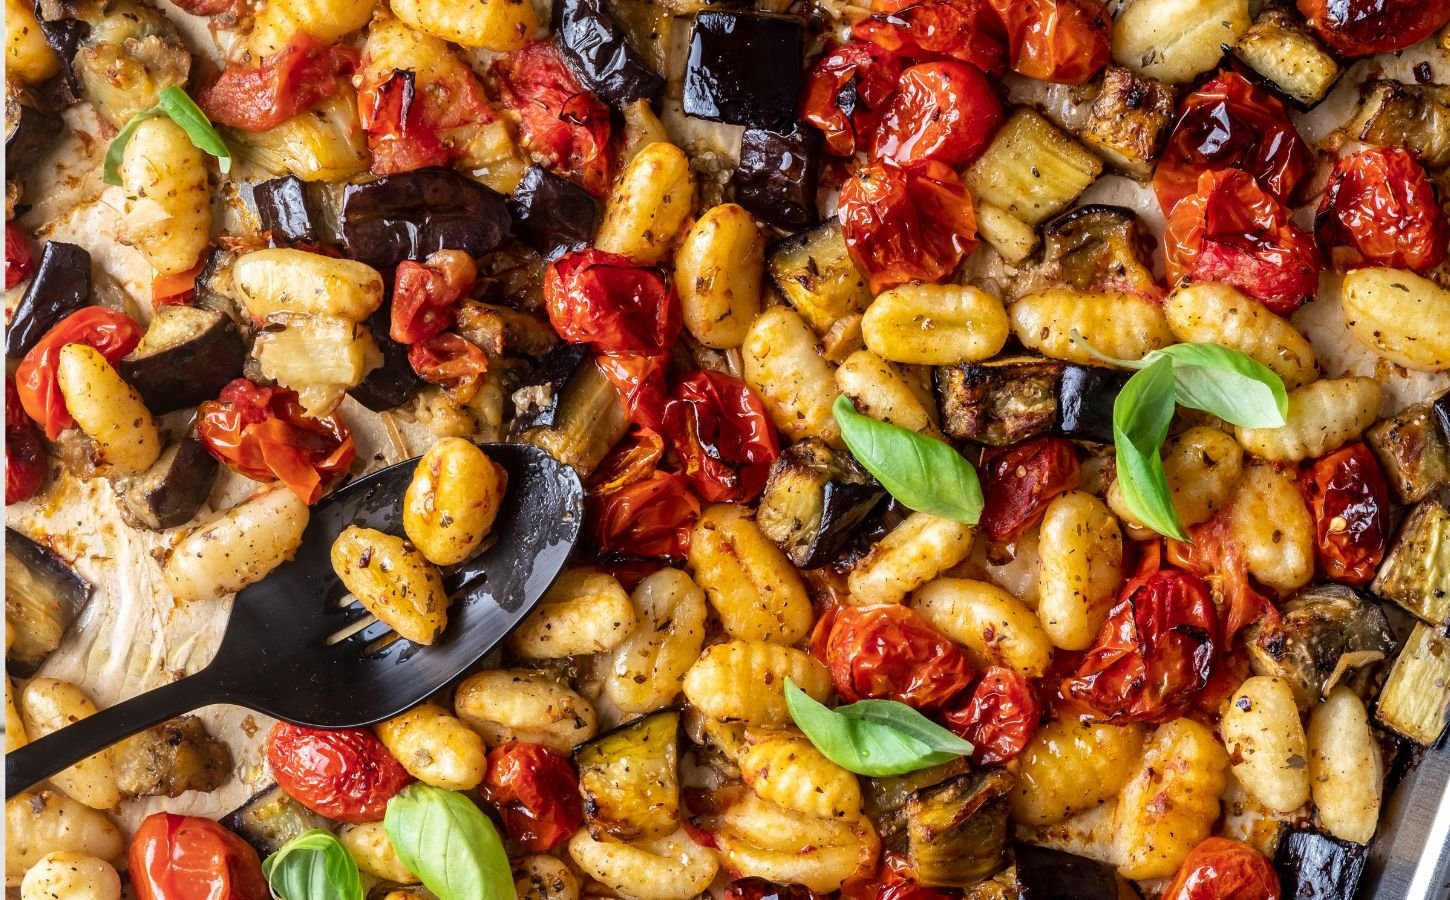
[(44, 822), (108, 410), (435, 747), (750, 583), (745, 681), (490, 25), (1400, 316), (883, 391), (1218, 314), (71, 876), (586, 611), (718, 272), (996, 628), (1081, 550), (649, 205), (788, 770), (48, 705), (1171, 801), (648, 667), (1322, 416), (1070, 767), (935, 324), (452, 501), (796, 384), (1202, 466), (910, 555), (1057, 323), (518, 705), (393, 581)]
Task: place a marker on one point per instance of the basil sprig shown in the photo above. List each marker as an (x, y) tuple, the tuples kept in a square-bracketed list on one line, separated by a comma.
[(447, 841), (1141, 416), (925, 474), (181, 109), (873, 737), (313, 866)]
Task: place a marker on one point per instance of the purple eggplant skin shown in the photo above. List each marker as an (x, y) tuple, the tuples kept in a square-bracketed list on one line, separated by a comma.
[(394, 382), (64, 35), (170, 492), (1315, 866), (778, 175), (286, 209), (43, 596), (186, 357), (551, 213), (744, 68), (597, 51), (547, 385), (1047, 874), (30, 130), (61, 285), (413, 214), (1085, 402), (1440, 411)]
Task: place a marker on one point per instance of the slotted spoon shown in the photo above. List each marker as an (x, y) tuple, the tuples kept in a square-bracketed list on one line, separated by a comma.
[(292, 650)]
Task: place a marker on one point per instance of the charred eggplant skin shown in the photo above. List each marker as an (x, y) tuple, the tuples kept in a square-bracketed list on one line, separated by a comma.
[(814, 502), (1085, 402), (270, 818), (286, 209), (1440, 410), (393, 383), (61, 285), (171, 491), (1047, 874), (778, 175), (410, 215), (1315, 866), (999, 402), (552, 213), (172, 374), (596, 49), (629, 779), (744, 68), (43, 595), (537, 405), (29, 131), (1320, 625)]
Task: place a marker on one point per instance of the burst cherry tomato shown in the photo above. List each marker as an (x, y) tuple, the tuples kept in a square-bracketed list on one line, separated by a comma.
[(650, 518), (24, 453), (19, 259), (1351, 508), (1216, 556), (426, 295), (1366, 27), (641, 381), (176, 289), (1380, 209), (1231, 231), (1061, 41), (722, 436), (346, 775), (965, 30), (1020, 481), (999, 717), (907, 224), (262, 433), (1223, 869), (537, 792), (946, 111), (847, 92), (891, 653), (1230, 123), (113, 333), (292, 81), (558, 119), (603, 299), (451, 361), (755, 888), (190, 858), (410, 126)]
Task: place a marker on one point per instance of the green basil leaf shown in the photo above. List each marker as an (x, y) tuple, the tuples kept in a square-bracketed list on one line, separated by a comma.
[(111, 170), (873, 737), (184, 112), (447, 841), (923, 473), (313, 866), (1227, 384), (1141, 415)]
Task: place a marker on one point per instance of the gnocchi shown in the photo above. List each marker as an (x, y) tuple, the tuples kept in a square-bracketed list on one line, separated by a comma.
[(666, 868), (48, 705), (393, 581), (585, 611), (40, 823), (718, 272), (108, 410), (327, 20), (935, 324), (1218, 314), (766, 840), (369, 846), (1070, 767), (1346, 771), (1322, 416), (647, 669), (237, 548), (295, 281), (1081, 552), (1171, 801), (436, 748), (71, 876), (880, 389), (1270, 524), (1399, 315), (745, 681), (498, 25), (168, 200), (1202, 466), (910, 555), (1125, 326), (452, 501), (649, 204), (794, 382), (1266, 743), (517, 705), (750, 583), (788, 770), (996, 628)]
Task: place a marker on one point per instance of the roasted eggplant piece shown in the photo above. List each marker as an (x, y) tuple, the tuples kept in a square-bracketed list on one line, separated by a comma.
[(956, 831), (1047, 874), (1325, 632), (29, 130), (999, 402), (814, 501), (187, 356), (1315, 866), (170, 759), (744, 68), (778, 174), (1085, 399), (1413, 452), (287, 209), (1129, 121), (1415, 699), (326, 144), (129, 55), (410, 215), (553, 213), (170, 492), (1279, 48), (395, 381), (319, 357), (815, 273), (1440, 411), (271, 818), (1416, 571), (1413, 116), (597, 50), (573, 413), (61, 285), (1094, 248), (537, 405), (630, 781), (43, 596), (1031, 169)]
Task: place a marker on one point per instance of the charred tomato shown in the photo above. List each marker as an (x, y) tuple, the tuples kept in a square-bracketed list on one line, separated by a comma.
[(426, 295), (451, 361), (1379, 209), (722, 436), (113, 333), (1366, 27), (299, 76), (946, 111), (912, 223), (24, 452), (19, 257), (1350, 504), (608, 301), (536, 791), (346, 775), (1224, 869), (998, 718), (1020, 481), (558, 119), (847, 92), (190, 858), (965, 30), (1060, 41), (891, 653)]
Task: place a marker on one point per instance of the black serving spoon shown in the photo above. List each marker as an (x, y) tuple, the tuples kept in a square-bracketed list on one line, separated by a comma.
[(294, 652)]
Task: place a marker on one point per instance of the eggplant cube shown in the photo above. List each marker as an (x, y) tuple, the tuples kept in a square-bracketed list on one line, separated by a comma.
[(29, 130), (393, 383), (186, 357), (745, 69), (61, 285), (956, 831), (814, 502), (1085, 401), (1413, 451), (1415, 700), (410, 215), (1000, 402), (814, 271), (271, 818), (778, 174), (43, 596), (286, 210), (1416, 572), (170, 492), (1047, 874), (629, 779), (1314, 866), (553, 213), (596, 49), (1325, 632)]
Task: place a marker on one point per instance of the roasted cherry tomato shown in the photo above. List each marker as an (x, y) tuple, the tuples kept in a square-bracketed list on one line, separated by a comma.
[(426, 295), (558, 119), (1366, 27), (536, 791), (1153, 653), (262, 433), (647, 519), (722, 436), (24, 452), (999, 717), (755, 888), (452, 361), (113, 333), (178, 289), (1230, 123), (641, 379), (190, 858), (19, 259), (1231, 231), (946, 111), (847, 92), (1061, 41), (292, 81), (346, 775), (1219, 560), (901, 224), (891, 653), (1380, 209), (894, 880), (1223, 869), (1020, 481), (409, 127), (605, 300), (965, 30), (1351, 507)]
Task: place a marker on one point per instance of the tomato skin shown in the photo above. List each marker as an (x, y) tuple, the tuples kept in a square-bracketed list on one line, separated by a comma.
[(891, 653), (999, 717), (262, 433), (25, 464), (847, 92), (113, 333), (1224, 869), (964, 30), (346, 775), (755, 888), (19, 257), (905, 224), (291, 81), (536, 791), (190, 858), (642, 382), (633, 511), (1217, 558), (426, 295), (1021, 480), (1350, 503), (946, 111), (722, 436), (1380, 209), (1366, 27), (606, 300), (1231, 231), (1060, 41), (558, 118), (411, 127), (178, 289), (1230, 123), (452, 361)]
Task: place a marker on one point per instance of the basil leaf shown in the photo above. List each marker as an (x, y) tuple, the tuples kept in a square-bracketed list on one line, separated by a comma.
[(873, 737), (313, 866), (1141, 415), (174, 103), (923, 473), (447, 841), (1227, 384)]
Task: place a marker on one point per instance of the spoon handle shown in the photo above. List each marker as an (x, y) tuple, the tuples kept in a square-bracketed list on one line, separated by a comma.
[(42, 758)]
